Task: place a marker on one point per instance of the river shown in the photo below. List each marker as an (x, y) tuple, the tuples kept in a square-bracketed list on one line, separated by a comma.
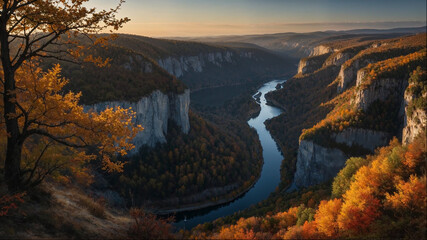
[(270, 175)]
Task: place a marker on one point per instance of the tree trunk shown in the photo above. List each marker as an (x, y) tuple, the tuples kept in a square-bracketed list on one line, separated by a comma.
[(12, 167)]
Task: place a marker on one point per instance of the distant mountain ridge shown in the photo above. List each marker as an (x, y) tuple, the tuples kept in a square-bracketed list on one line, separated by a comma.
[(301, 44)]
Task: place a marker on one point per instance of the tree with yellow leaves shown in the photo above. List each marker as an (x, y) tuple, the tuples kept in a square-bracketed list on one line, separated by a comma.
[(50, 118), (29, 29)]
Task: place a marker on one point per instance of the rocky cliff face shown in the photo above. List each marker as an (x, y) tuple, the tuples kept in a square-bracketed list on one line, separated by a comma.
[(349, 74), (317, 164), (415, 121), (379, 89), (153, 113), (320, 50), (312, 64), (309, 65), (338, 58), (179, 66), (414, 125), (365, 138)]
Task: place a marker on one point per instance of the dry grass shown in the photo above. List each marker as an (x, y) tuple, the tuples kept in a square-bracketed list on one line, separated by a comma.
[(96, 208), (59, 212)]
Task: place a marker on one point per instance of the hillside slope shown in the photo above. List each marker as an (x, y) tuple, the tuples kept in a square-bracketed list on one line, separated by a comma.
[(201, 65), (350, 123)]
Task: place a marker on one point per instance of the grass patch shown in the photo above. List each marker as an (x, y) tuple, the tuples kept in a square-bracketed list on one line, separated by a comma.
[(96, 208)]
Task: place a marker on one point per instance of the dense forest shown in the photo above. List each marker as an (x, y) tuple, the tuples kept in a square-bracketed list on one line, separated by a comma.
[(206, 158)]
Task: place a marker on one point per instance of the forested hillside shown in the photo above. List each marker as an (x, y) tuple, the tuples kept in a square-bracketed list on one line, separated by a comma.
[(184, 170), (312, 100), (382, 195)]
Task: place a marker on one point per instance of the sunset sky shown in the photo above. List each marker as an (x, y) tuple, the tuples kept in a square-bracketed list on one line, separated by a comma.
[(160, 18)]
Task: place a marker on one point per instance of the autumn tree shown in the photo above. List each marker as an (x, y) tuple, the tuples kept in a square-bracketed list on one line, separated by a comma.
[(47, 118), (326, 217), (29, 29)]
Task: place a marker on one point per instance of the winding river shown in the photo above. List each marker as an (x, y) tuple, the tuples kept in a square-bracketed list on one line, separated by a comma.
[(270, 175)]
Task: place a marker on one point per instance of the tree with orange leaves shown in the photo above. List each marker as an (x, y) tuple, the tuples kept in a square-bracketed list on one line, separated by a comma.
[(326, 217), (48, 118), (29, 29)]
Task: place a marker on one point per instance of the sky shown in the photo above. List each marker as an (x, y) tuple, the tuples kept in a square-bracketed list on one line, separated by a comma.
[(184, 18)]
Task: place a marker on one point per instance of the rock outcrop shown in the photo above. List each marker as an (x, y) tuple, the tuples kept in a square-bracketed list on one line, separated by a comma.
[(139, 64), (320, 50), (379, 89), (414, 125), (415, 120), (309, 65), (317, 164), (349, 74), (338, 58), (365, 138), (179, 66), (153, 113)]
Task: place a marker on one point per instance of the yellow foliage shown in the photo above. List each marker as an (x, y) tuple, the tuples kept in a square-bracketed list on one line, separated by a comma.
[(48, 117)]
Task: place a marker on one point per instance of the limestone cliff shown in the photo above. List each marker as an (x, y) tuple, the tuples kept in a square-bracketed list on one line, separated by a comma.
[(321, 49), (317, 164), (379, 89), (338, 58), (153, 113), (349, 74), (365, 138), (311, 64), (179, 66), (415, 119)]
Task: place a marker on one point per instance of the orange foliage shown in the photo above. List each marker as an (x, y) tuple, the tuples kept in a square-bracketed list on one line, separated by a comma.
[(415, 155), (294, 232), (326, 217), (54, 127), (411, 195), (309, 230), (392, 65)]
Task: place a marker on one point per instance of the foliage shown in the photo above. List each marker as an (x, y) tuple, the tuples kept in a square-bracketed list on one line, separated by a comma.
[(380, 116), (129, 76), (149, 226), (206, 157), (54, 127), (398, 67), (346, 175), (304, 214), (326, 217), (386, 199), (417, 90), (388, 49), (27, 30)]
